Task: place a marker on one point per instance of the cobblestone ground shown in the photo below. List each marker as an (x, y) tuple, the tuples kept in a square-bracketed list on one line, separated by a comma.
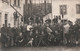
[(55, 48)]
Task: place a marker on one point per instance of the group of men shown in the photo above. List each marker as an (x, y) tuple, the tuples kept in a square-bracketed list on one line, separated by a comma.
[(6, 36), (39, 34)]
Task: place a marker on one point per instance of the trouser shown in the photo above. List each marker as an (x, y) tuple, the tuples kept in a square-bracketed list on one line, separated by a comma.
[(77, 37), (10, 41), (25, 38), (4, 41), (14, 40), (71, 38), (67, 36), (3, 44)]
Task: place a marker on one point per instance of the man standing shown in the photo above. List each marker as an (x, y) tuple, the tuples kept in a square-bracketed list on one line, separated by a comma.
[(10, 35), (66, 32), (4, 36), (15, 32), (77, 33)]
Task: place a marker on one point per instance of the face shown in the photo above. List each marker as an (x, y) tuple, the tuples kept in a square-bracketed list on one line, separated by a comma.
[(31, 32), (9, 25), (14, 26), (30, 23), (42, 32), (3, 25), (20, 34), (36, 31), (35, 24)]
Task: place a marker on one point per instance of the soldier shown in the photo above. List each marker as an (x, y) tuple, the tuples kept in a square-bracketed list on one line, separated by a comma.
[(15, 32), (4, 36), (19, 39), (24, 31), (66, 32), (36, 38), (10, 35), (42, 40), (77, 32), (71, 32)]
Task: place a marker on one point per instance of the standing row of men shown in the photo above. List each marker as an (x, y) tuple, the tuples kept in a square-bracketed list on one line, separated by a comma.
[(6, 36)]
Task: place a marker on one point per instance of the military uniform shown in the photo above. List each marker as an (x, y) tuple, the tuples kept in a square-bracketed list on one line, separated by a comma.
[(77, 32), (15, 32), (10, 36), (4, 38), (19, 41)]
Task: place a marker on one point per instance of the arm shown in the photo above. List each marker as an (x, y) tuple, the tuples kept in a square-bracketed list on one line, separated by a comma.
[(21, 40)]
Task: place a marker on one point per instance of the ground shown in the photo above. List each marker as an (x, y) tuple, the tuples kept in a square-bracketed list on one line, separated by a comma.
[(49, 48), (54, 48)]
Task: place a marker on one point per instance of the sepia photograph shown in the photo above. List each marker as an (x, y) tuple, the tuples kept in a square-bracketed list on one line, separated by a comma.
[(39, 25)]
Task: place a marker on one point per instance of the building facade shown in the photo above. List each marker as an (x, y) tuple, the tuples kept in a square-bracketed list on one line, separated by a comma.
[(69, 8), (7, 10)]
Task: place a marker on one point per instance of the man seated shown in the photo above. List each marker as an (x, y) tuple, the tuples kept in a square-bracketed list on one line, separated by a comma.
[(19, 40), (30, 38)]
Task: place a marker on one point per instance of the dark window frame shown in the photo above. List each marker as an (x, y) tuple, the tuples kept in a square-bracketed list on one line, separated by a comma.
[(6, 19), (78, 8), (15, 2), (18, 2), (63, 8)]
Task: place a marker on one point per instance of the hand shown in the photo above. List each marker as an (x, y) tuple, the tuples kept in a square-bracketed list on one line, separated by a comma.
[(49, 33), (21, 40)]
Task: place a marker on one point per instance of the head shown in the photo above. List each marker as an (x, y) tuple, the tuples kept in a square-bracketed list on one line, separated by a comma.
[(35, 24), (3, 25), (15, 26), (9, 25), (29, 23), (42, 32), (39, 24), (36, 31), (59, 17)]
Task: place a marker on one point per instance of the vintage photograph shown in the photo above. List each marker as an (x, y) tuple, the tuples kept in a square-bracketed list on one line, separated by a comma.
[(39, 25)]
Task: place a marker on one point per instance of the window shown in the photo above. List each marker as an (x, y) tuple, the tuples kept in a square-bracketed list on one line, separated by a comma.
[(6, 1), (63, 9), (14, 2), (0, 20), (6, 15), (78, 8), (10, 1), (18, 2), (0, 15), (2, 0)]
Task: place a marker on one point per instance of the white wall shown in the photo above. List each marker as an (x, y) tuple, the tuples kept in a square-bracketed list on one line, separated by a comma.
[(71, 8), (7, 9)]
